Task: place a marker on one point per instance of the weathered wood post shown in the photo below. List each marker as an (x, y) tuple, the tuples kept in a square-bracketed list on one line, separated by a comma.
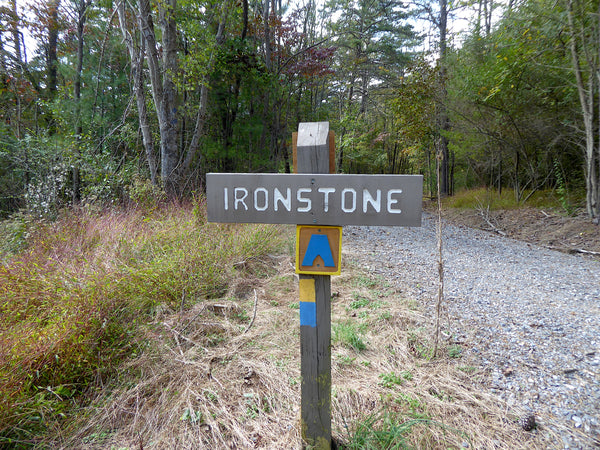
[(313, 155)]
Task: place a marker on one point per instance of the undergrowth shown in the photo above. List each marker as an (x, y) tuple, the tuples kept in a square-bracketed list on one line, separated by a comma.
[(152, 329), (72, 301), (506, 199)]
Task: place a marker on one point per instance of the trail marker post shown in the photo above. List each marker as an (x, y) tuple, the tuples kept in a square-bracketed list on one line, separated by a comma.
[(314, 152), (319, 202)]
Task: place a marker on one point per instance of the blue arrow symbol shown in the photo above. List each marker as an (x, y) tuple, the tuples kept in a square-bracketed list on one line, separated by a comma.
[(318, 246)]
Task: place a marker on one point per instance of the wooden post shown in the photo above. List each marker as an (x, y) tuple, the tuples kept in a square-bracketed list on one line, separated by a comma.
[(312, 155)]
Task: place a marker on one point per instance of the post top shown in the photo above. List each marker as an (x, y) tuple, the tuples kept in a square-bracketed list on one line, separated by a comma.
[(312, 133)]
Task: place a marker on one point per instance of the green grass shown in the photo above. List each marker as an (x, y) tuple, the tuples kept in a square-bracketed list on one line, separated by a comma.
[(483, 197), (370, 282), (359, 301), (73, 302), (14, 233), (382, 430), (467, 369), (390, 430), (416, 406), (417, 345), (455, 351), (365, 281), (348, 334), (392, 379), (346, 360)]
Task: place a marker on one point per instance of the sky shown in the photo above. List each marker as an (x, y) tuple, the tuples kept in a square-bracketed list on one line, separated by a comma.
[(458, 24), (29, 41)]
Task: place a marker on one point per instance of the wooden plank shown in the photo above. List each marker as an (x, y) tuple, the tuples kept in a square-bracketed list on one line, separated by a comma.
[(315, 318), (315, 199), (315, 350), (312, 150)]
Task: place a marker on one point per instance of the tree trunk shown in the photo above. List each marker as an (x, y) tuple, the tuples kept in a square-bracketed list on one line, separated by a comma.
[(365, 91), (52, 46), (81, 17), (596, 187), (168, 126), (137, 73), (52, 57), (442, 113), (489, 9), (163, 88), (199, 129), (267, 31), (586, 100), (16, 35)]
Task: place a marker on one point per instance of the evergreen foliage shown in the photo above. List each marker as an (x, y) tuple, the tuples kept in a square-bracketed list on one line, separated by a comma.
[(518, 95)]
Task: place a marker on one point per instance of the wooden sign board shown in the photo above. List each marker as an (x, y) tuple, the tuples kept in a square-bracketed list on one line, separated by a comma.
[(315, 199)]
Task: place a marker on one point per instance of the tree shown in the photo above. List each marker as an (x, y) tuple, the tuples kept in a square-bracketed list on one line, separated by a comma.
[(514, 101), (51, 54), (136, 55), (164, 91), (439, 18), (81, 8), (584, 44), (46, 27), (415, 130), (375, 44), (169, 80), (443, 121)]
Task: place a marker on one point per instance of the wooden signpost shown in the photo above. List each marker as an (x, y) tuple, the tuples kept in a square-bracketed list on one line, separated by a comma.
[(319, 202), (313, 155)]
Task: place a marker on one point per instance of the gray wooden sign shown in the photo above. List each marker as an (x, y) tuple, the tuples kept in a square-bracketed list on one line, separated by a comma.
[(321, 199)]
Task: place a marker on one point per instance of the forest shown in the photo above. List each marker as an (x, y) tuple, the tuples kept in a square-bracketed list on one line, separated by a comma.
[(100, 100)]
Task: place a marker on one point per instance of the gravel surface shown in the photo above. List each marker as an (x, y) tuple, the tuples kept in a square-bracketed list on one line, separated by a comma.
[(527, 315)]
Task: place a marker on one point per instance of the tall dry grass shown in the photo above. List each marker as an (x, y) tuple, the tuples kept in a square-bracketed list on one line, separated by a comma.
[(76, 302), (481, 197)]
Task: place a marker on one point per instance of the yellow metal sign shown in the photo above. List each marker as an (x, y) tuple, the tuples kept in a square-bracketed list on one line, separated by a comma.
[(318, 250)]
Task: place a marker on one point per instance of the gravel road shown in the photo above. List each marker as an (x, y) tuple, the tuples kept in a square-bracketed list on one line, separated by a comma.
[(527, 315)]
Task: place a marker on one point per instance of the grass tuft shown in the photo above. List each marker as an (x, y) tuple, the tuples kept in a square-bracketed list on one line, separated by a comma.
[(348, 334), (389, 430)]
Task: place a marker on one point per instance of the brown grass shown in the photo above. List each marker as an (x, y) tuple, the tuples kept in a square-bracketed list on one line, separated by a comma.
[(206, 383), (77, 302)]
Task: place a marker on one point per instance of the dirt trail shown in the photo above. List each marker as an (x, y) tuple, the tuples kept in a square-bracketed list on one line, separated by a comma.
[(572, 234)]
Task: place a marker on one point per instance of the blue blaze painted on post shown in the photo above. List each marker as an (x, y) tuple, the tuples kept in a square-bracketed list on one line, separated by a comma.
[(308, 314), (318, 246)]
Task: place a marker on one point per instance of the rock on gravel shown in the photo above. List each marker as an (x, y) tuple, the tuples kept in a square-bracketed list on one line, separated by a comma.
[(528, 315)]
